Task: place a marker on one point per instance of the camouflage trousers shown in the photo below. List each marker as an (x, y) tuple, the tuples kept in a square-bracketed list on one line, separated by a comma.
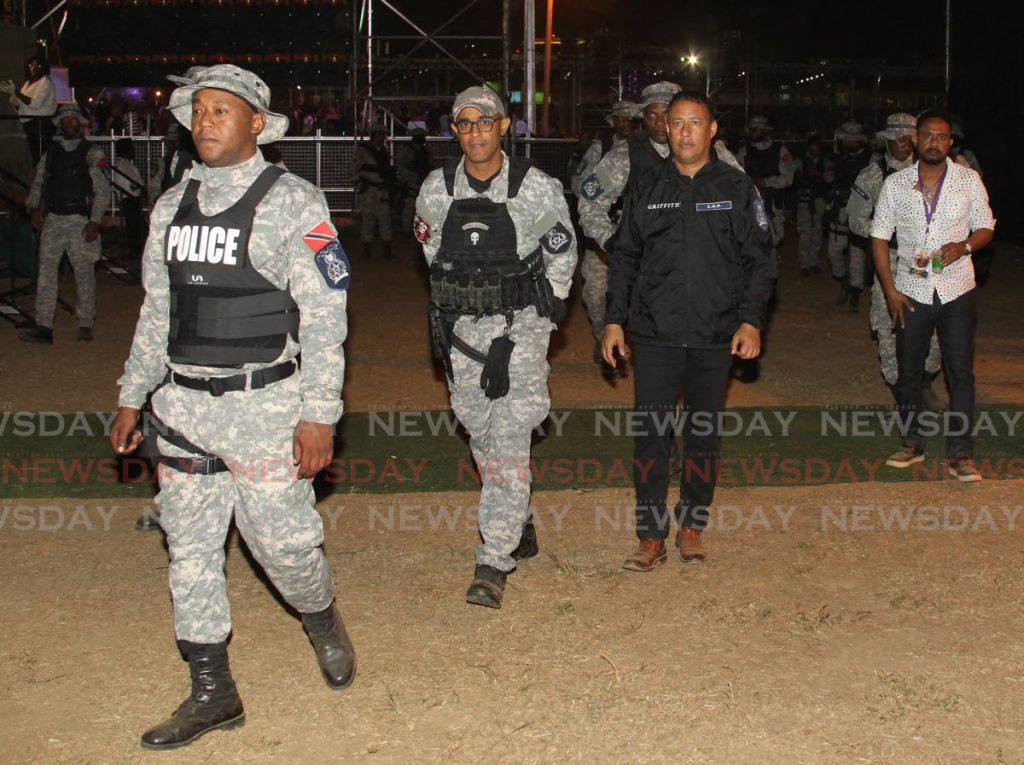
[(375, 215), (881, 325), (273, 510), (595, 284), (63, 233), (808, 228), (500, 430), (847, 260)]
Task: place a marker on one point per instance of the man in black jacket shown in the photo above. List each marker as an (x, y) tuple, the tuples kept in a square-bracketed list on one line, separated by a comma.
[(690, 275)]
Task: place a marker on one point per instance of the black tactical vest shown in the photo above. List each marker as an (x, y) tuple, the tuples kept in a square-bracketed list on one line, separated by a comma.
[(68, 185), (848, 167), (642, 155), (763, 163), (812, 184), (224, 313), (478, 270)]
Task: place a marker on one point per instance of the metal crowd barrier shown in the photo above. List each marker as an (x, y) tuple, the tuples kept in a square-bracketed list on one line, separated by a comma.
[(326, 161)]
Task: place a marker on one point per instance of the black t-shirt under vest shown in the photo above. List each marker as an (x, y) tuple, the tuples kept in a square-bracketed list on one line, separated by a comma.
[(224, 313), (68, 185)]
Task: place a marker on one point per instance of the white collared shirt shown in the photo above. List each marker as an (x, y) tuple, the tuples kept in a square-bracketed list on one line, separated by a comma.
[(43, 96), (962, 209)]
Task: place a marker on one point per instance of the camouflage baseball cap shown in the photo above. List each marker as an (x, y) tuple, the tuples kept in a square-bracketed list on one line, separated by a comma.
[(851, 131), (658, 93), (623, 109), (897, 126), (69, 110), (239, 82), (485, 100)]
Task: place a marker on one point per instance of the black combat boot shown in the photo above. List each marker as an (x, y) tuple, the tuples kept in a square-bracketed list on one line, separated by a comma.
[(844, 290), (527, 542), (367, 250), (38, 334), (213, 705), (149, 521), (388, 254), (334, 651), (854, 299), (487, 588)]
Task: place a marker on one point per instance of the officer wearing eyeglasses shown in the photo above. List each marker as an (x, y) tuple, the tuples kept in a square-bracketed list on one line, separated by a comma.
[(500, 247)]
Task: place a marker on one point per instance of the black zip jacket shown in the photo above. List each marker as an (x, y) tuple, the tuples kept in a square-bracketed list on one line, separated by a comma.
[(692, 258)]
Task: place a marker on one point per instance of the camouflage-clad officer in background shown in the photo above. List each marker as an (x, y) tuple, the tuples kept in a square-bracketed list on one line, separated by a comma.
[(412, 166), (624, 118), (499, 243), (602, 190), (770, 165), (69, 195), (899, 133), (377, 185), (814, 176), (848, 262), (242, 271)]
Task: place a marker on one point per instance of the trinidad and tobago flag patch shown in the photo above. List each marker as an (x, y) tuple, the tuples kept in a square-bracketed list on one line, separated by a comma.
[(319, 236)]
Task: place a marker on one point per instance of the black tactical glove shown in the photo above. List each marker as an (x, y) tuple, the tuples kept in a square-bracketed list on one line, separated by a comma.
[(559, 310)]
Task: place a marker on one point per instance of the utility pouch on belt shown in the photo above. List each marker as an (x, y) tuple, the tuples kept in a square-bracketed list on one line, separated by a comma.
[(494, 377)]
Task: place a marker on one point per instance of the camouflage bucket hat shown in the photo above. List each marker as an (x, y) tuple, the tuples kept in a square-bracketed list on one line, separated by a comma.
[(759, 122), (484, 100), (851, 131), (239, 82), (658, 93), (897, 126), (69, 110), (623, 109)]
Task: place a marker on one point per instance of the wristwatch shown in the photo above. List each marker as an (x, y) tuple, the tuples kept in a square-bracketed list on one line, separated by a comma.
[(967, 247)]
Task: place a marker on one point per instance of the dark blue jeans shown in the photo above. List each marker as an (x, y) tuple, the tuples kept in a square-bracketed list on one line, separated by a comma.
[(955, 322), (659, 373)]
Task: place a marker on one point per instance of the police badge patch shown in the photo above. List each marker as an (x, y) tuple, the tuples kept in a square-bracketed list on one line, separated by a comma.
[(421, 230), (557, 239), (760, 216), (333, 265), (591, 189)]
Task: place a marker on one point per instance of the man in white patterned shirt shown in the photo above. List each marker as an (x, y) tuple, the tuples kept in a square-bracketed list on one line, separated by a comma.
[(940, 213)]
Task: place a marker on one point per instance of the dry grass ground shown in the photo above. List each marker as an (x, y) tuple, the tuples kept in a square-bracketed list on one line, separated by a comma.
[(804, 639)]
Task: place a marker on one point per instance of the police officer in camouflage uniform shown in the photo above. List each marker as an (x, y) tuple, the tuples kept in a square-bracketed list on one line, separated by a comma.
[(623, 117), (899, 133), (770, 164), (376, 178), (848, 262), (499, 243), (69, 195), (412, 166), (814, 174), (242, 270), (602, 190)]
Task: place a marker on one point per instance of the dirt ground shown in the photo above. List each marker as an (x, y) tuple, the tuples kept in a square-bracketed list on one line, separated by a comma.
[(855, 623)]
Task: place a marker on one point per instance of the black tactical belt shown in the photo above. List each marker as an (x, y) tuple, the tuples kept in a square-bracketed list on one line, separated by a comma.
[(218, 386), (204, 464)]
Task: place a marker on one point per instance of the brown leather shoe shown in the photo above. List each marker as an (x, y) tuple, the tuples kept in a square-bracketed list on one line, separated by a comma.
[(649, 554), (691, 550)]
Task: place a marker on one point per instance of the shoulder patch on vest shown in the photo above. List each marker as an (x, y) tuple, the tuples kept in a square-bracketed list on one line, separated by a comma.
[(333, 265), (591, 189), (760, 216), (557, 239), (319, 236), (421, 230)]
